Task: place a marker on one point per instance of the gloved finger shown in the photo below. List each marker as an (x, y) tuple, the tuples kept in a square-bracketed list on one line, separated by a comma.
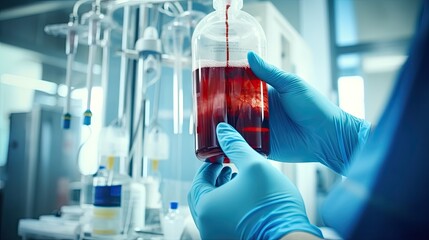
[(224, 176), (208, 173), (233, 175), (283, 82), (204, 181), (234, 146)]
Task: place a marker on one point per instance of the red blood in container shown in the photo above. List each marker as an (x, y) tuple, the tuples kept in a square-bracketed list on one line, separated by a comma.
[(233, 95)]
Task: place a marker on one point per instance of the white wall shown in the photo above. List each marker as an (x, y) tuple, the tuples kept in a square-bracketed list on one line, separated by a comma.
[(315, 32)]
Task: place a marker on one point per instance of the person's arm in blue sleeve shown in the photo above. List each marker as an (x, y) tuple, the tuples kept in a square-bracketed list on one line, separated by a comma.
[(258, 203), (304, 125)]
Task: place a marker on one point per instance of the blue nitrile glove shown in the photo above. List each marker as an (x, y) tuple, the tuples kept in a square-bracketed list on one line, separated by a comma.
[(259, 203), (304, 125)]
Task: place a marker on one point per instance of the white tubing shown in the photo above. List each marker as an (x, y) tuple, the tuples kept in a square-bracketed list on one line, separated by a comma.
[(70, 59)]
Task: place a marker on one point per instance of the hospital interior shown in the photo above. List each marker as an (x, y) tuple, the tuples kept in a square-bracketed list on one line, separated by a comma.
[(100, 93)]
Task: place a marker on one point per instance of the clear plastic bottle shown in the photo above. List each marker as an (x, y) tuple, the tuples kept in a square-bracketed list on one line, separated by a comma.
[(173, 223), (111, 201), (225, 88), (107, 213)]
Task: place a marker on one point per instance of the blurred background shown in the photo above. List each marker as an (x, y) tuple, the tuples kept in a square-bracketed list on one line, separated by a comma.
[(350, 50)]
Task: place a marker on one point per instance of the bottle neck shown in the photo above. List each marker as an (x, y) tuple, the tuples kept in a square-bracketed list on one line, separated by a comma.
[(171, 210), (234, 5)]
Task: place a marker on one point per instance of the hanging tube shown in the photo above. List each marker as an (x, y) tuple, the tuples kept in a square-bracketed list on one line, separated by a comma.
[(67, 115), (124, 64), (89, 82), (71, 46), (105, 69), (93, 37), (178, 86)]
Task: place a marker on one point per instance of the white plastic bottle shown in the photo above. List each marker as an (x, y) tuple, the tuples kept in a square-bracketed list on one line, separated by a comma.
[(111, 206), (173, 223), (107, 211), (138, 205)]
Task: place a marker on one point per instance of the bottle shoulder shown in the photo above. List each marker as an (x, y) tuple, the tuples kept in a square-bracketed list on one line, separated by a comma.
[(173, 215), (239, 22), (114, 179)]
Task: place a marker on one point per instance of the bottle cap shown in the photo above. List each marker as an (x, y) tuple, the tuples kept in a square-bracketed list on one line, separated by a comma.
[(174, 205)]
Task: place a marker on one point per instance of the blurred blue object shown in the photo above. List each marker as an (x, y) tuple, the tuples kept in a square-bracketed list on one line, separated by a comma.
[(386, 194)]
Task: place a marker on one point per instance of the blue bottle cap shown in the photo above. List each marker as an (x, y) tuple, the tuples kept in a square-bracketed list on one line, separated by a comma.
[(174, 205)]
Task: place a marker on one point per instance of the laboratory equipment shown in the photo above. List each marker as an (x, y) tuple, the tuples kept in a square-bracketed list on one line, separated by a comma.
[(112, 196), (176, 39), (71, 45), (93, 20), (225, 88), (114, 141), (173, 222), (137, 75), (86, 190), (107, 210), (148, 50), (113, 153), (71, 30)]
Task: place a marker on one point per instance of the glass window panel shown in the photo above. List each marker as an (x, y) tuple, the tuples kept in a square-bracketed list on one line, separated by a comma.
[(361, 21)]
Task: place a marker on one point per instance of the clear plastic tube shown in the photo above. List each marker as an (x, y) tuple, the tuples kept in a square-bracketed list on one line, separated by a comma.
[(89, 83), (70, 60), (69, 69), (124, 64), (178, 86), (71, 46)]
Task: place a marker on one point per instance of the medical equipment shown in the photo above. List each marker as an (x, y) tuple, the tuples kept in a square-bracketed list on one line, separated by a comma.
[(135, 141), (176, 40), (71, 45), (93, 19), (226, 90), (107, 215), (71, 31), (173, 222)]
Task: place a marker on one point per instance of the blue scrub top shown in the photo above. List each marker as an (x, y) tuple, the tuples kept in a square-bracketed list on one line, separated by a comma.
[(386, 193)]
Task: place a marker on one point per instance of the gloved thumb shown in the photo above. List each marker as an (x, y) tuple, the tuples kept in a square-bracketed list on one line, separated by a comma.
[(234, 146), (283, 82)]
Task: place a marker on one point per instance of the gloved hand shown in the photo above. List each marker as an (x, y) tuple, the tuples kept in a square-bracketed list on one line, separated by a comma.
[(304, 125), (259, 203)]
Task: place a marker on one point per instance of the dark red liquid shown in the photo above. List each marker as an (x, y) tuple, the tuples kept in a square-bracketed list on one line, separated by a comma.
[(233, 95)]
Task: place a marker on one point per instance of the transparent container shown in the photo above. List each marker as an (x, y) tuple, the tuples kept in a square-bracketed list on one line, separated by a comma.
[(173, 223), (224, 87), (111, 203)]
